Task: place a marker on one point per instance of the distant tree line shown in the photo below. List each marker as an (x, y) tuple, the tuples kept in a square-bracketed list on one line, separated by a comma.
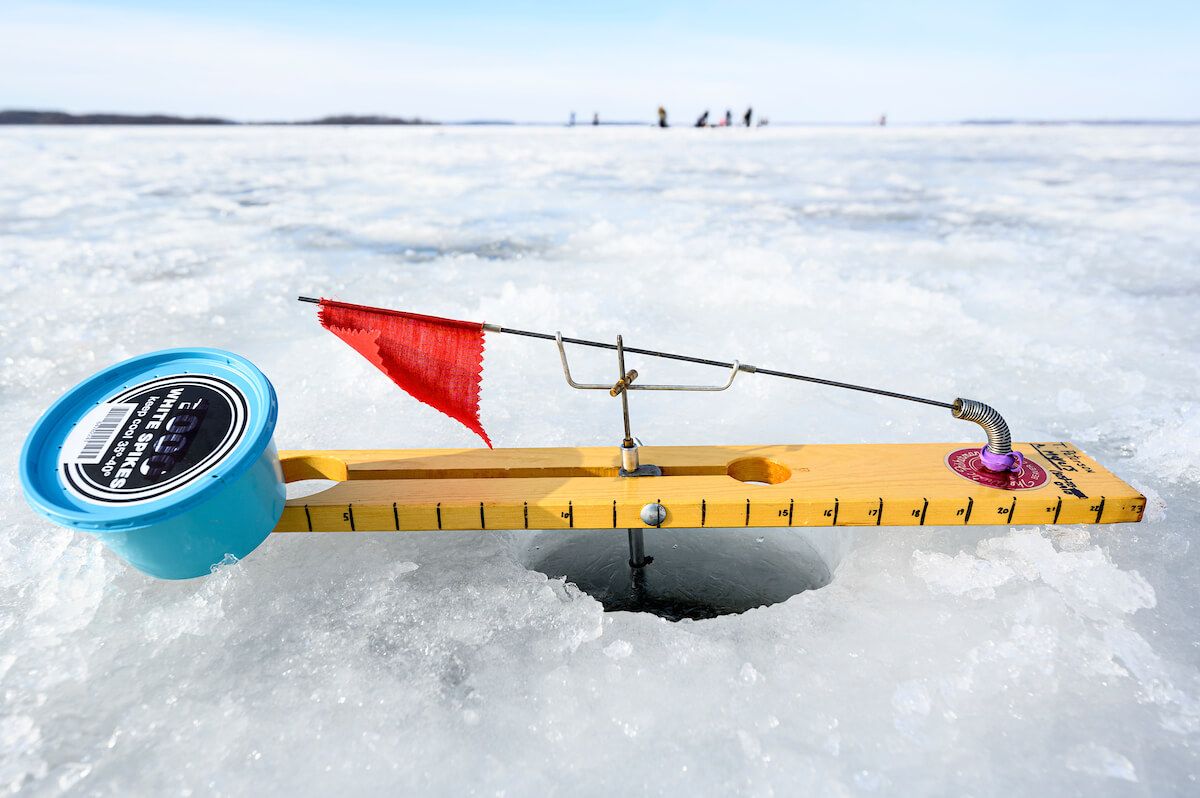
[(21, 117)]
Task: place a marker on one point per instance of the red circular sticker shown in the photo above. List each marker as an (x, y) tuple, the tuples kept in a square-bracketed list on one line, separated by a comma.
[(966, 463)]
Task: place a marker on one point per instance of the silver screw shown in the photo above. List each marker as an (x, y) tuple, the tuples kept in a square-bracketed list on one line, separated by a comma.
[(654, 514)]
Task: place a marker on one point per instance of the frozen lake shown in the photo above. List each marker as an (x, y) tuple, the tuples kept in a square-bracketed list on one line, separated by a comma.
[(1052, 272)]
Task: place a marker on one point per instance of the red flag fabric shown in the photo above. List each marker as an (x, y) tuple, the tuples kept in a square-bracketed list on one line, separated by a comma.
[(438, 361)]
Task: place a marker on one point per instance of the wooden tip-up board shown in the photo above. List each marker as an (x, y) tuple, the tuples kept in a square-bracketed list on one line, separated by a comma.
[(701, 486)]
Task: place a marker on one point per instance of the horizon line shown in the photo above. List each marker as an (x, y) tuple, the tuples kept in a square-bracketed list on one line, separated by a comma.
[(54, 117)]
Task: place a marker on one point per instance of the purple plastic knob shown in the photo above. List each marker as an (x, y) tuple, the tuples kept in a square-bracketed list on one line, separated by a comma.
[(1013, 461)]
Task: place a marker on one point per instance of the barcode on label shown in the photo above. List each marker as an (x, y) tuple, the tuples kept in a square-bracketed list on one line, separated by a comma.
[(101, 435)]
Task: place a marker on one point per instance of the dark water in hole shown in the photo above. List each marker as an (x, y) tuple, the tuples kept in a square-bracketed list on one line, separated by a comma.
[(696, 573)]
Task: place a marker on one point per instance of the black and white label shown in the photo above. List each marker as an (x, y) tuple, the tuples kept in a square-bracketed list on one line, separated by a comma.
[(153, 439), (92, 435)]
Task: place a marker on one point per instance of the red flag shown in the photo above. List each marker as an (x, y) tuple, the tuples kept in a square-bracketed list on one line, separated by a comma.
[(438, 361)]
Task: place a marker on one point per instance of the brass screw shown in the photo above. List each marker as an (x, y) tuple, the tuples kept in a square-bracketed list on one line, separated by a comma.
[(623, 383)]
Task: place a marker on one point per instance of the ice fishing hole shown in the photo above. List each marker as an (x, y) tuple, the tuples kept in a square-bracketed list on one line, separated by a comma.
[(696, 573)]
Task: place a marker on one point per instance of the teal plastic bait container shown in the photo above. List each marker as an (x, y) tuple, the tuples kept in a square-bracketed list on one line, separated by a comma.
[(166, 457)]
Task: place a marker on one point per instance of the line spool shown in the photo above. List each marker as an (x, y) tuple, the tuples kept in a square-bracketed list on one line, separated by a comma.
[(167, 458)]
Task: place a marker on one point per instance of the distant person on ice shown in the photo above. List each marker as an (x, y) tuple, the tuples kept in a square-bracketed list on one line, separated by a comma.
[(703, 120), (595, 118), (728, 118), (746, 116), (662, 116)]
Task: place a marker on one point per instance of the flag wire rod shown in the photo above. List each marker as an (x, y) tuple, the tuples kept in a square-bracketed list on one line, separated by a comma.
[(700, 360)]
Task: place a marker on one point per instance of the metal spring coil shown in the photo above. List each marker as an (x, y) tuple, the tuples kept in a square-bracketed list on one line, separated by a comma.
[(999, 438)]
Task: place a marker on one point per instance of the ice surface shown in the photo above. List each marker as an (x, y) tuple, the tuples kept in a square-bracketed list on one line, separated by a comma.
[(1052, 272)]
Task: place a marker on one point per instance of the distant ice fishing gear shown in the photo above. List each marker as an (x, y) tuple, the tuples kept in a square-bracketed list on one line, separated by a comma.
[(168, 458)]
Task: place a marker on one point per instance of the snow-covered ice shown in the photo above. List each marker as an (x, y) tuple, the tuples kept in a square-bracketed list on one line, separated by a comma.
[(1052, 272)]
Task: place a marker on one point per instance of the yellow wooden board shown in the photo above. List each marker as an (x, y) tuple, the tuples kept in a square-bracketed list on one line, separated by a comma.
[(701, 486)]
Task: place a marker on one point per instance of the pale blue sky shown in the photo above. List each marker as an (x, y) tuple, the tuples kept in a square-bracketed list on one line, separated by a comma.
[(794, 61)]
